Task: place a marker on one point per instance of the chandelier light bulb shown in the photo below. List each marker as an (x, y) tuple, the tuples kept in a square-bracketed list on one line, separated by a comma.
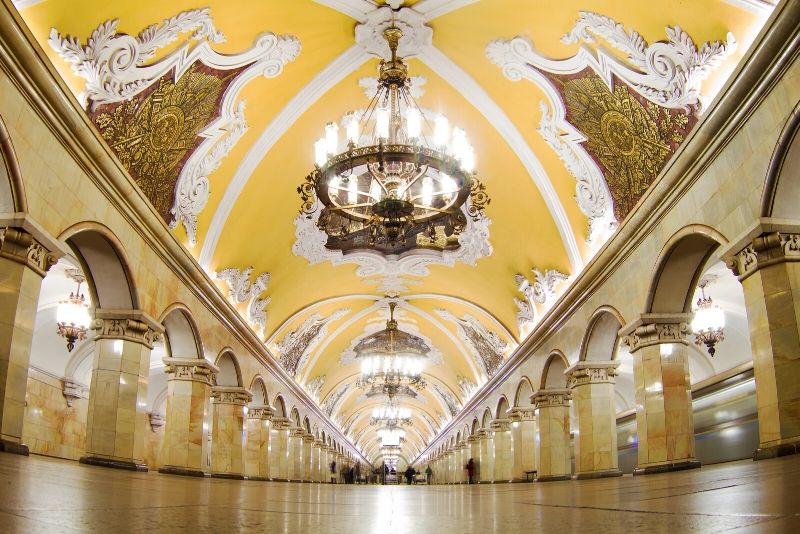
[(331, 137), (352, 190), (375, 190), (413, 123), (382, 117), (441, 131), (427, 190), (459, 144), (351, 123), (468, 161), (320, 152)]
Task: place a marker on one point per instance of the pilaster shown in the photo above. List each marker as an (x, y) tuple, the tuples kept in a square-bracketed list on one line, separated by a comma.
[(486, 465), (503, 450), (256, 465), (552, 425), (523, 436), (227, 434), (279, 449)]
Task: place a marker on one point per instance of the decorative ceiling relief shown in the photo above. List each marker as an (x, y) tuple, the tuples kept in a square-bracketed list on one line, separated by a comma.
[(293, 350), (487, 348), (391, 272), (240, 289), (466, 386), (449, 400), (334, 398), (614, 124), (170, 122), (539, 296), (417, 35), (314, 387)]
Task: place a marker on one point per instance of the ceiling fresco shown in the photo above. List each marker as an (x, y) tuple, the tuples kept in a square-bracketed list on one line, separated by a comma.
[(573, 108)]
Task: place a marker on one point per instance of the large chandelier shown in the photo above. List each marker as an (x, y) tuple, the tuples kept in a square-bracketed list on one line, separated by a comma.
[(391, 360), (72, 316), (708, 323), (391, 416), (398, 174)]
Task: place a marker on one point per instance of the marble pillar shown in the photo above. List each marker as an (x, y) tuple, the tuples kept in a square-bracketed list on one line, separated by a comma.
[(553, 458), (256, 465), (186, 427), (503, 450), (117, 419), (474, 454), (23, 264), (664, 420), (451, 466), (523, 436), (228, 431), (769, 269), (461, 461), (279, 449), (486, 463), (308, 461), (594, 406), (319, 461), (295, 459)]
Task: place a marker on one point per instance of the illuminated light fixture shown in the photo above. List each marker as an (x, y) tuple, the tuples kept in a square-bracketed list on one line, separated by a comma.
[(404, 176), (391, 360), (72, 315), (708, 323), (391, 416)]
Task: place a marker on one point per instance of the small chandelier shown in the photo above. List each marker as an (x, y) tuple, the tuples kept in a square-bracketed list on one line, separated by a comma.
[(391, 416), (411, 176), (72, 316), (708, 323), (391, 436), (391, 360)]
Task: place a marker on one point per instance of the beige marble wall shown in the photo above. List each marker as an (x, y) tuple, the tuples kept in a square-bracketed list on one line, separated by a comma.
[(553, 457), (523, 436), (258, 442), (503, 450), (594, 406), (227, 439), (51, 427)]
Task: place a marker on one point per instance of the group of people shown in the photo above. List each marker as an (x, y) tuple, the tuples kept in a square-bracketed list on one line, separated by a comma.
[(350, 475), (410, 473)]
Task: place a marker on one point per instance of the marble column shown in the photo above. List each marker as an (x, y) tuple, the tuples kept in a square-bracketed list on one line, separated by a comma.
[(279, 448), (461, 461), (486, 464), (295, 460), (227, 431), (594, 406), (769, 269), (117, 419), (474, 442), (664, 420), (186, 428), (523, 436), (308, 458), (503, 450), (319, 461), (23, 264), (256, 465), (553, 460), (451, 466)]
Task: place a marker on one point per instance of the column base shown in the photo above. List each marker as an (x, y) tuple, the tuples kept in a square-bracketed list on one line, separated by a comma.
[(14, 447), (666, 468), (115, 464), (775, 451), (182, 471), (260, 479), (279, 479), (229, 476), (553, 478), (599, 474)]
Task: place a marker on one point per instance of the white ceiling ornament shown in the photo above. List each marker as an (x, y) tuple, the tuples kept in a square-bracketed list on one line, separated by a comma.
[(332, 400), (539, 296), (294, 348), (466, 386), (416, 34), (314, 387), (240, 289), (487, 348), (391, 271), (115, 68), (449, 400)]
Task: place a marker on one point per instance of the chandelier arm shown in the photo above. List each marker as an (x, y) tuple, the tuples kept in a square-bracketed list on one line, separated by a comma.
[(413, 100), (419, 175)]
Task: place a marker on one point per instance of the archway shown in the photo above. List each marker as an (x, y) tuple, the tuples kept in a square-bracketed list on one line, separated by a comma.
[(522, 397), (229, 374), (181, 334), (502, 408), (553, 372), (12, 191), (781, 194)]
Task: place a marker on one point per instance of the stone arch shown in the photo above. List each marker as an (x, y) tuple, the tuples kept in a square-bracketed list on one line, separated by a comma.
[(259, 391), (553, 371), (12, 190), (280, 406), (181, 335), (781, 194), (522, 397), (601, 340), (295, 416), (679, 267), (502, 408), (229, 372), (102, 259), (475, 426), (487, 418), (307, 424)]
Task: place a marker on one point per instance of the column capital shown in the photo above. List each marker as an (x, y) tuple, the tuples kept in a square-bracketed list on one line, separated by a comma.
[(260, 412), (656, 329), (308, 437), (588, 372), (551, 398), (473, 438), (501, 425), (72, 390), (156, 419), (764, 250), (281, 423), (522, 414), (190, 369), (16, 244), (129, 325), (238, 396), (319, 443)]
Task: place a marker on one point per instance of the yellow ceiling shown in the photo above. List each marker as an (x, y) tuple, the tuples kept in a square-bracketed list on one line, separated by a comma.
[(260, 231)]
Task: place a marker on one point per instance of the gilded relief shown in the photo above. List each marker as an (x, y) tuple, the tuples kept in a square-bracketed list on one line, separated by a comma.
[(630, 137), (154, 133)]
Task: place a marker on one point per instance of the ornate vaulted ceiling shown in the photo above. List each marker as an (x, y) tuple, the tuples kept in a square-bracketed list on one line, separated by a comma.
[(214, 110)]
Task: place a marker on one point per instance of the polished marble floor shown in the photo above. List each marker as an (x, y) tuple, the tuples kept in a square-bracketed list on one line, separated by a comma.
[(40, 494)]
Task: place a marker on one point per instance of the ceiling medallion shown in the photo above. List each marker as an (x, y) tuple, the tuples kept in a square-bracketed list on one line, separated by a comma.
[(407, 179), (391, 361)]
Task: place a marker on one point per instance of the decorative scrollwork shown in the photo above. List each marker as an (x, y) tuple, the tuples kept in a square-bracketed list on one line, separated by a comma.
[(307, 192)]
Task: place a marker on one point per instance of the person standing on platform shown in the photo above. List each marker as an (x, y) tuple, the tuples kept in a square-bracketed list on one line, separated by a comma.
[(428, 474)]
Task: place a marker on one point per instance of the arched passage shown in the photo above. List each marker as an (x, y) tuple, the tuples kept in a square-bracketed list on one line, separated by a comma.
[(553, 371), (12, 191), (181, 334), (229, 374), (502, 408), (781, 195)]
